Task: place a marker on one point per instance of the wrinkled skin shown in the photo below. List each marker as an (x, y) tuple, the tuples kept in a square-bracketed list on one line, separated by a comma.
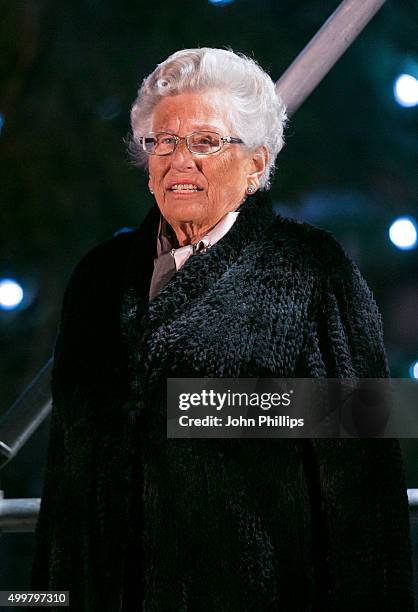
[(223, 176)]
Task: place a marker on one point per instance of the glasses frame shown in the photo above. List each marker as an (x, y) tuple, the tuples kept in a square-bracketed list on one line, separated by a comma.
[(223, 140)]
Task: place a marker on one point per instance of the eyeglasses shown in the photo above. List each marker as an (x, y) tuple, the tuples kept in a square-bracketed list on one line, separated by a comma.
[(200, 143)]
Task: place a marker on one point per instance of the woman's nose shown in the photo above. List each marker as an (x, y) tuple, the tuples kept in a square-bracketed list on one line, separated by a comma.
[(182, 157)]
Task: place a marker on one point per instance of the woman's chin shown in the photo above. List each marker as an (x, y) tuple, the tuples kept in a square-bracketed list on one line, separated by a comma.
[(185, 206), (185, 195)]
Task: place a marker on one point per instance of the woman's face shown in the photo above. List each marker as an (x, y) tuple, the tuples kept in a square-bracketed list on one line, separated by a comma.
[(222, 177)]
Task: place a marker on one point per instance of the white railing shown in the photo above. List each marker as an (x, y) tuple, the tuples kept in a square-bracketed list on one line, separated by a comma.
[(21, 515)]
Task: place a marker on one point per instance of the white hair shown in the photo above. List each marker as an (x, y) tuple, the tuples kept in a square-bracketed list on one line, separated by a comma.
[(256, 112)]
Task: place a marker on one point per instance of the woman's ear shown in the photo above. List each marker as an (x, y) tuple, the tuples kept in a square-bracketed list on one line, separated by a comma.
[(259, 162)]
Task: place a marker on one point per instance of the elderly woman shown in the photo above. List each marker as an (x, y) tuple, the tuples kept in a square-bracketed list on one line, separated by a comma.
[(212, 284)]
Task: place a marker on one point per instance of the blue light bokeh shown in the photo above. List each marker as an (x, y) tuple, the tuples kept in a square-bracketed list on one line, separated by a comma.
[(11, 294), (220, 2), (403, 233)]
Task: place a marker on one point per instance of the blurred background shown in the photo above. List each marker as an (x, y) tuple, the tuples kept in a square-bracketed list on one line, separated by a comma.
[(69, 72)]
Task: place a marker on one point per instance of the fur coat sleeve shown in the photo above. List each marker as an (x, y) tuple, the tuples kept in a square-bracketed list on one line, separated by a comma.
[(88, 453), (344, 339)]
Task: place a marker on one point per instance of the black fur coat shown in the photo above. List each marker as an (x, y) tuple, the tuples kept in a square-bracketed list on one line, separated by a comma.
[(131, 521)]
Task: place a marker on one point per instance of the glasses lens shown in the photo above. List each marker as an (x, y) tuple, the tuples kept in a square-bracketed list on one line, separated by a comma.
[(149, 143), (165, 144), (159, 144), (204, 142)]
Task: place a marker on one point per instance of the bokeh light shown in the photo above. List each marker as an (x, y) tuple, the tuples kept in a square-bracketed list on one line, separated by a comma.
[(413, 370), (405, 90), (11, 294), (220, 2), (403, 233)]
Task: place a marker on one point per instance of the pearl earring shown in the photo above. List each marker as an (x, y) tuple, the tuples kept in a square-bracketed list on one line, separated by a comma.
[(250, 189), (151, 192)]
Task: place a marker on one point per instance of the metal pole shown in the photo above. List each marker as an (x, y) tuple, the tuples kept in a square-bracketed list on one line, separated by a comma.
[(324, 50), (26, 414), (18, 515)]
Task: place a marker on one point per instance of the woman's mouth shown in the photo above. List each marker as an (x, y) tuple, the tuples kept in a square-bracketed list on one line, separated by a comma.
[(185, 187)]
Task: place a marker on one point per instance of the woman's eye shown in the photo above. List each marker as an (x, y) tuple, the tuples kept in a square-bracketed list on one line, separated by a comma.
[(166, 140), (204, 140)]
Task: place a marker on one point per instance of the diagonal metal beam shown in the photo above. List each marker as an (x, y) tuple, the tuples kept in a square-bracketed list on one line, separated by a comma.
[(26, 414), (324, 50)]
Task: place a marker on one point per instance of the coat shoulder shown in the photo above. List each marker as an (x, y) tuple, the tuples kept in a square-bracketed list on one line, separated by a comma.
[(106, 256), (108, 260), (313, 246), (96, 281)]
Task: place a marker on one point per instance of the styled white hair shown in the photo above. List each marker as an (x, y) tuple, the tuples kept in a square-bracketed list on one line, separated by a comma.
[(256, 112)]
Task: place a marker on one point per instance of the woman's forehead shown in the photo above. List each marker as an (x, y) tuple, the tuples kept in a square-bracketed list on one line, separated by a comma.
[(191, 111)]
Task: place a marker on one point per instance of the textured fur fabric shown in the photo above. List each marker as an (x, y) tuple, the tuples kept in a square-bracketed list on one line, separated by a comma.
[(131, 521)]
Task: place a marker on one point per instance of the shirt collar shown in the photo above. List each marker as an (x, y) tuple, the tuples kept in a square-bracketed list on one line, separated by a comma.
[(166, 239)]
